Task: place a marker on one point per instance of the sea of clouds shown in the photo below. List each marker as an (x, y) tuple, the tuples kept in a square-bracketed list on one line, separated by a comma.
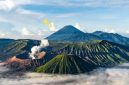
[(112, 76)]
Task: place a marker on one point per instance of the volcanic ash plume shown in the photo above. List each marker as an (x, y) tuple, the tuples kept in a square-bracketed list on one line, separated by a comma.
[(35, 49)]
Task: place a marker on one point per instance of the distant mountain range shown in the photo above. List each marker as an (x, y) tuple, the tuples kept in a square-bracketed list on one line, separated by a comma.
[(113, 37), (72, 34)]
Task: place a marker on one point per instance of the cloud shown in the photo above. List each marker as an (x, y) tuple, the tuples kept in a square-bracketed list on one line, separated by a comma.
[(77, 25), (85, 3), (112, 31), (6, 25), (102, 76), (25, 31), (52, 26), (28, 12), (13, 21), (6, 28), (108, 17), (66, 15), (6, 4), (10, 4), (2, 34), (43, 33), (100, 3), (127, 32)]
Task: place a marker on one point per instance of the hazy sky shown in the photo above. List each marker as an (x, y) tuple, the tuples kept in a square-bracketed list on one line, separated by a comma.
[(24, 18)]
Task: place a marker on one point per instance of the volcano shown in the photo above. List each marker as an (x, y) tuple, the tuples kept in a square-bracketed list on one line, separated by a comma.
[(70, 33), (66, 64)]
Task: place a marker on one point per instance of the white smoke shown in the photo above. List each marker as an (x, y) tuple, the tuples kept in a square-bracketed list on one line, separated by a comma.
[(36, 49)]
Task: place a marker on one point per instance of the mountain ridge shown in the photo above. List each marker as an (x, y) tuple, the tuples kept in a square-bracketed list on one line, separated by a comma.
[(71, 34)]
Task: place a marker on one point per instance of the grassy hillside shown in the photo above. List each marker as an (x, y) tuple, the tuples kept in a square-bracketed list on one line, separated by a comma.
[(66, 64)]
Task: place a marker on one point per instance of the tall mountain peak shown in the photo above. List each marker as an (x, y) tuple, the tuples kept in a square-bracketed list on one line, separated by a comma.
[(69, 29)]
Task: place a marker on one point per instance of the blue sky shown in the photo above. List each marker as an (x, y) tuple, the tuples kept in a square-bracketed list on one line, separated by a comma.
[(24, 18)]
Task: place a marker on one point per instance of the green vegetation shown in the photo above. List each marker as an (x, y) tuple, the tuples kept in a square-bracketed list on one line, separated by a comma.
[(66, 64)]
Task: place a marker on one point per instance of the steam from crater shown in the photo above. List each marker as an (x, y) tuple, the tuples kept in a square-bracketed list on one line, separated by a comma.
[(35, 49)]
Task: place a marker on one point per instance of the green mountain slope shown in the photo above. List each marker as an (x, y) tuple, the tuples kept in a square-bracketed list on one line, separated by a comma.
[(66, 64)]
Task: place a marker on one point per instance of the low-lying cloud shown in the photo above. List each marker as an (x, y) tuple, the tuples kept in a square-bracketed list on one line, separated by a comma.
[(110, 76)]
